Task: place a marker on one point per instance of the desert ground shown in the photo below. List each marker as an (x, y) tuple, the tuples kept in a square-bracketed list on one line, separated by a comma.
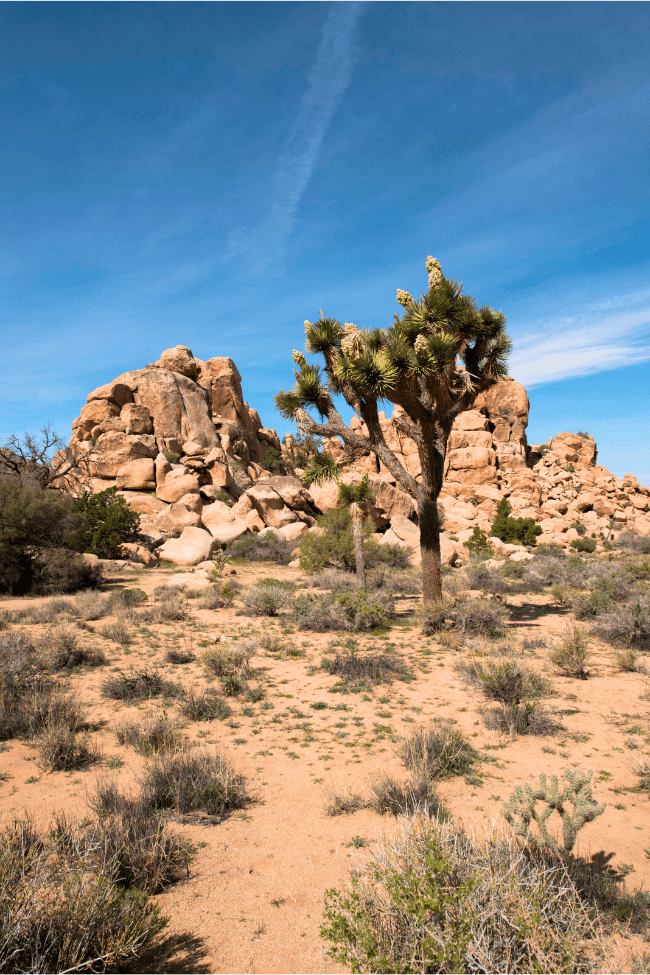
[(252, 897)]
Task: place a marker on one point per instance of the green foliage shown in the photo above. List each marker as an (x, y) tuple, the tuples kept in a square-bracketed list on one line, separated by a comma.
[(515, 531), (520, 809), (579, 527), (584, 544), (171, 457), (275, 463), (107, 522), (479, 544), (333, 547), (37, 530), (428, 898)]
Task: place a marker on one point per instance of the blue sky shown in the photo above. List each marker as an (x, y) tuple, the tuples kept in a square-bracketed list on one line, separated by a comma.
[(211, 174)]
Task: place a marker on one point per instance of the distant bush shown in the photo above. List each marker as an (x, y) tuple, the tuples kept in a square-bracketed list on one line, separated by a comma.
[(333, 546), (265, 598), (436, 751), (106, 522), (517, 531), (269, 548), (479, 544), (195, 781), (362, 668), (358, 611), (637, 544), (149, 737), (627, 625), (584, 544), (572, 654)]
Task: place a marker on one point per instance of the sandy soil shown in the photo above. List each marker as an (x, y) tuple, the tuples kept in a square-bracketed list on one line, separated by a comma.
[(253, 899)]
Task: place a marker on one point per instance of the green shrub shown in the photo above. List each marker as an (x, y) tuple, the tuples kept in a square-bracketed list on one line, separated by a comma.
[(584, 544), (107, 522), (333, 546), (433, 899), (479, 544), (516, 531), (269, 548), (579, 527), (266, 598), (358, 611), (436, 751), (171, 457)]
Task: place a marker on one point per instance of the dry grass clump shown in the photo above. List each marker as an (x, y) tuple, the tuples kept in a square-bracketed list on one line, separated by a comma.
[(180, 656), (266, 598), (52, 611), (212, 598), (572, 654), (171, 606), (137, 685), (626, 625), (231, 664), (628, 661), (60, 912), (334, 580), (61, 748), (203, 706), (476, 617), (195, 781), (433, 899), (120, 631), (395, 798), (373, 667), (358, 611), (89, 605), (342, 802), (60, 649), (151, 736), (438, 750)]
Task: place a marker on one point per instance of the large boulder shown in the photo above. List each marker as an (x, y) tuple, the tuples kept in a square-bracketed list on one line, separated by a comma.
[(173, 489), (177, 517), (137, 475), (114, 450), (194, 545), (222, 523)]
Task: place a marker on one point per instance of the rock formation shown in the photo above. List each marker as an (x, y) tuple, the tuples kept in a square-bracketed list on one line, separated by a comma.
[(180, 444)]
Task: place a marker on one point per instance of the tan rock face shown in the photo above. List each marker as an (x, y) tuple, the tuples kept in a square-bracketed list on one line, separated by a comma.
[(137, 475), (222, 523), (177, 517), (119, 393), (180, 360), (136, 419), (114, 450), (173, 489), (194, 545)]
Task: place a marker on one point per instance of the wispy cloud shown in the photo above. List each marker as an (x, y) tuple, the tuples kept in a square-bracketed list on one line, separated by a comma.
[(263, 245), (599, 339)]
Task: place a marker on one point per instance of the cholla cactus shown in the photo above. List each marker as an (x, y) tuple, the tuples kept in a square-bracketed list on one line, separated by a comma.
[(299, 358), (404, 298), (420, 347), (434, 271), (520, 810)]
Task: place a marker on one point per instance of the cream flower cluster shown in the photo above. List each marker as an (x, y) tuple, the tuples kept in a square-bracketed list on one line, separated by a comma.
[(420, 347), (299, 358), (351, 341), (404, 298), (435, 272)]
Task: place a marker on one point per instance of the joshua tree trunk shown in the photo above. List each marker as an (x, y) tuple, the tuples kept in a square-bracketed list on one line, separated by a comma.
[(359, 554), (430, 549)]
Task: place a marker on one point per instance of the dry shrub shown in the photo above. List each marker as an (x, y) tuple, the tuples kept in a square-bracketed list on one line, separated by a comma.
[(231, 665), (395, 798), (627, 625), (120, 630), (628, 662), (343, 802), (149, 737), (137, 685), (204, 706), (438, 750), (60, 748), (195, 781), (572, 655), (180, 656), (365, 668), (433, 899), (505, 681), (521, 718), (171, 607), (89, 605), (266, 598), (212, 598), (60, 649), (60, 912)]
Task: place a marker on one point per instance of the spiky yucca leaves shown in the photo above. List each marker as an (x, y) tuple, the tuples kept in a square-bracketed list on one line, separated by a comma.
[(432, 362)]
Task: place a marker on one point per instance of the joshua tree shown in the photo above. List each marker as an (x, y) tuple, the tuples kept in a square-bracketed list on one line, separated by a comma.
[(432, 362), (357, 498)]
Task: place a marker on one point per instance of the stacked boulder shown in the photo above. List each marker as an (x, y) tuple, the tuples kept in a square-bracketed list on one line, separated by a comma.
[(180, 444), (183, 448)]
